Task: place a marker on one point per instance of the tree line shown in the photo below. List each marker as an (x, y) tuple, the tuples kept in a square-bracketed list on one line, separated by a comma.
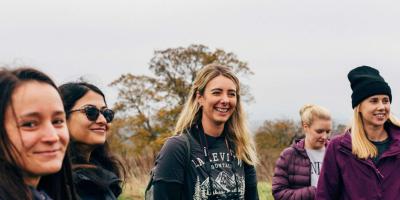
[(148, 106)]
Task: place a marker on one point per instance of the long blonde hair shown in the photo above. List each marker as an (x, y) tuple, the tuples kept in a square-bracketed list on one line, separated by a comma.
[(361, 146), (238, 131)]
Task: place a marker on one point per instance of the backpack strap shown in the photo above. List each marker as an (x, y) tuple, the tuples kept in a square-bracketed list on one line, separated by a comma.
[(186, 168), (187, 137)]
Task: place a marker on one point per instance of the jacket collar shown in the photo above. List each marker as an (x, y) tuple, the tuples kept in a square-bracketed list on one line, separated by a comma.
[(298, 145), (394, 133), (345, 142), (98, 177), (39, 195)]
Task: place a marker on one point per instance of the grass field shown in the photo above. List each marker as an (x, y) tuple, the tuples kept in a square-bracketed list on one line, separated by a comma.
[(264, 191), (136, 191)]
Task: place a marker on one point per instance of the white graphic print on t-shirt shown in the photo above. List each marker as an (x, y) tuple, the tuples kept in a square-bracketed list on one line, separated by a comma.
[(316, 157), (226, 184)]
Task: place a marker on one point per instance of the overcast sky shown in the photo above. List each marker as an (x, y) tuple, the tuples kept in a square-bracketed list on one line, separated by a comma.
[(300, 51)]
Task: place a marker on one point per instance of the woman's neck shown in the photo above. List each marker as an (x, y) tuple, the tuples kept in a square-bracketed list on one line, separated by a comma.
[(31, 180), (375, 133), (307, 145), (212, 129), (85, 151)]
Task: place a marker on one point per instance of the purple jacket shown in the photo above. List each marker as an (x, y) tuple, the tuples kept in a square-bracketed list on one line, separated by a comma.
[(292, 176), (344, 176)]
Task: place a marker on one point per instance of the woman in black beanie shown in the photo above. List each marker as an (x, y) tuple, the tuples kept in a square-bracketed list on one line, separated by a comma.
[(363, 163)]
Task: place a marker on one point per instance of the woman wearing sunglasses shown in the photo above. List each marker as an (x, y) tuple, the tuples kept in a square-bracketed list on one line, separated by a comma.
[(222, 157), (33, 138), (97, 173)]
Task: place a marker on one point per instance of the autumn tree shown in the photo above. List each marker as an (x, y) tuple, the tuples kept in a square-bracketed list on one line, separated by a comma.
[(271, 138), (148, 106)]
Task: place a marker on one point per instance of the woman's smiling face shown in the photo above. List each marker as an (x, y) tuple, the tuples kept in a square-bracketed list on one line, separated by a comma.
[(218, 100), (375, 110), (81, 128), (36, 126)]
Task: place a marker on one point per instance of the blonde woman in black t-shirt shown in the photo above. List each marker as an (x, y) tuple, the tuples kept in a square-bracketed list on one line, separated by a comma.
[(222, 154)]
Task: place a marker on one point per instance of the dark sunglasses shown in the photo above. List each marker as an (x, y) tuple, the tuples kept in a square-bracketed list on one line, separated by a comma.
[(92, 113)]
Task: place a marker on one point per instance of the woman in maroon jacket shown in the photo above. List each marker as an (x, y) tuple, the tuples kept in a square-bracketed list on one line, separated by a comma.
[(298, 168), (364, 162)]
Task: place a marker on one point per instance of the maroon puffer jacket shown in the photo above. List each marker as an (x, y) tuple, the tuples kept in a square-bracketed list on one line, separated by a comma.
[(292, 177)]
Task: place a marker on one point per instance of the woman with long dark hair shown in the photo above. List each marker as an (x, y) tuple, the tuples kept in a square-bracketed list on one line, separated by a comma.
[(33, 138), (98, 174), (222, 158)]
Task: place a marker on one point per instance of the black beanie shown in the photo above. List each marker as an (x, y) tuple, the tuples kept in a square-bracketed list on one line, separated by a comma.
[(365, 81)]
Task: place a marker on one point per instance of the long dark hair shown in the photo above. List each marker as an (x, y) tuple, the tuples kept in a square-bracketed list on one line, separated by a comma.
[(59, 185), (71, 92)]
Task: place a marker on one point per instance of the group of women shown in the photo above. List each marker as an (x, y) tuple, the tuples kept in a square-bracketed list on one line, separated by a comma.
[(53, 144), (218, 161), (361, 163), (53, 140)]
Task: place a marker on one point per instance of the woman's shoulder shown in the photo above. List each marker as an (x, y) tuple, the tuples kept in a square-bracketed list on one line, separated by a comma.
[(286, 157), (97, 179), (94, 174), (171, 160), (288, 151), (173, 153), (178, 139), (175, 144), (340, 138)]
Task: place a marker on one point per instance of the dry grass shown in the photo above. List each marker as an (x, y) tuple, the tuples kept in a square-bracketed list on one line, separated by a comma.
[(134, 189), (138, 168)]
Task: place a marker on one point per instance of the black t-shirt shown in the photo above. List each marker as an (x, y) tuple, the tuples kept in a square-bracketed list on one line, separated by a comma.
[(381, 146), (231, 178)]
